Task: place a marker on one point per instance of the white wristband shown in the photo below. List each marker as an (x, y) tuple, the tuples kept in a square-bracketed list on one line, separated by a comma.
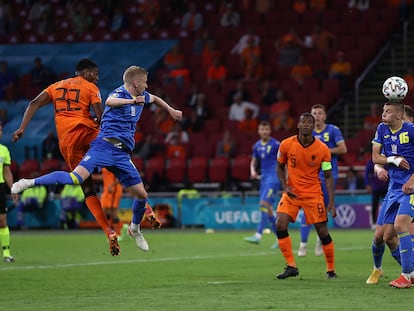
[(377, 169), (394, 160)]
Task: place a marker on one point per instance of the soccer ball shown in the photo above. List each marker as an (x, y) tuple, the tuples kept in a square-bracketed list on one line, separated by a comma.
[(395, 89)]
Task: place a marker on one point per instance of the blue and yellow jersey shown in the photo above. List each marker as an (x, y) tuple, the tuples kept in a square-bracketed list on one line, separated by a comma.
[(397, 143), (120, 122), (331, 136), (266, 153)]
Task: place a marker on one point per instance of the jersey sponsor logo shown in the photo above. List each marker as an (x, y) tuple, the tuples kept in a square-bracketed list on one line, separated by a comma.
[(345, 216)]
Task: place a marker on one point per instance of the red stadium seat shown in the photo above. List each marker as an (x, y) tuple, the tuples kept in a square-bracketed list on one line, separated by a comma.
[(201, 148), (218, 170), (197, 169), (176, 170), (154, 168), (28, 167), (49, 165), (139, 163), (240, 168)]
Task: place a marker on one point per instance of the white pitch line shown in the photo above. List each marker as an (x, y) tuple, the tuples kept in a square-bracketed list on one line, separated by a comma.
[(143, 260)]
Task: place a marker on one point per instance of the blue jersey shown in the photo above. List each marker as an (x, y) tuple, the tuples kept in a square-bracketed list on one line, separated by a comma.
[(400, 143), (120, 122), (331, 136), (266, 153)]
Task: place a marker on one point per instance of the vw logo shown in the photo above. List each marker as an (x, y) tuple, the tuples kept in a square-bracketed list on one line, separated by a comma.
[(345, 215)]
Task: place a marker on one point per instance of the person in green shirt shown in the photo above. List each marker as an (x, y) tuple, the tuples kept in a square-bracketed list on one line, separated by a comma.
[(6, 179), (31, 200)]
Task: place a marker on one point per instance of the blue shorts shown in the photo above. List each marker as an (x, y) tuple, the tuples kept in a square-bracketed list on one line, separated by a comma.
[(104, 154), (268, 191), (396, 203)]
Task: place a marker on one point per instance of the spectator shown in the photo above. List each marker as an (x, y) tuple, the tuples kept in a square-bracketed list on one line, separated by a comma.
[(150, 10), (239, 89), (217, 73), (289, 54), (238, 107), (41, 75), (81, 20), (149, 147), (289, 38), (376, 187), (280, 113), (299, 6), (118, 20), (353, 181), (71, 203), (358, 4), (230, 17), (173, 58), (37, 9), (192, 97), (322, 40), (31, 200), (163, 122), (301, 71), (250, 61), (7, 80), (200, 108), (226, 146), (192, 19), (372, 120), (193, 123), (250, 36), (317, 5), (175, 149), (50, 147), (201, 40), (341, 70), (177, 131), (267, 92), (264, 6), (249, 124), (180, 75), (8, 22), (210, 52)]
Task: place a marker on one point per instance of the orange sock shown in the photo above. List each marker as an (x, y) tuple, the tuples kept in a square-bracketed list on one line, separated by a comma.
[(94, 206), (329, 251), (285, 245)]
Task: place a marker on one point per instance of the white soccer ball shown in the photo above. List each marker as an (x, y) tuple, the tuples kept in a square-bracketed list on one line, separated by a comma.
[(395, 89)]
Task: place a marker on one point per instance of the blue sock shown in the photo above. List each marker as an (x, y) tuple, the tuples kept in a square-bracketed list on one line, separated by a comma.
[(412, 243), (138, 210), (406, 251), (59, 177), (396, 254), (263, 220), (272, 222), (304, 230), (377, 253)]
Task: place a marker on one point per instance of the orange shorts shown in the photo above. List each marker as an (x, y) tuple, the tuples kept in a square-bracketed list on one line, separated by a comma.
[(112, 199), (74, 145), (313, 208)]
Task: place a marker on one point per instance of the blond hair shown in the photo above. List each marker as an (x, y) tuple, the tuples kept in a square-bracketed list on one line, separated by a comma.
[(132, 73)]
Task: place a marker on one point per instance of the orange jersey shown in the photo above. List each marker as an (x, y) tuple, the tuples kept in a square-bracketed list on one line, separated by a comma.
[(72, 99), (112, 190), (303, 165)]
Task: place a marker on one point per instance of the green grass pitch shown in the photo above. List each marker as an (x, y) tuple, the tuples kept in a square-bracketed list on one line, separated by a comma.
[(190, 270)]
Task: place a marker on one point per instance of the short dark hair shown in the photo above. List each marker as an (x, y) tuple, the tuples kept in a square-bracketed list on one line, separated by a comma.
[(409, 111), (85, 63), (306, 114)]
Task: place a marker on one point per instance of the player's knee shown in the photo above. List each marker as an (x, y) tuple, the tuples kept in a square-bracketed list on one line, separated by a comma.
[(326, 240), (90, 194), (282, 234)]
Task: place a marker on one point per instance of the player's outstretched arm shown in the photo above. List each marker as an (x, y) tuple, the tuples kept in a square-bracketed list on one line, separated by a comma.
[(175, 114), (39, 101), (117, 102)]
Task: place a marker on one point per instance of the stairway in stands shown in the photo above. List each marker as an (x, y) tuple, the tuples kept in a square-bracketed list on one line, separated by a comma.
[(391, 64)]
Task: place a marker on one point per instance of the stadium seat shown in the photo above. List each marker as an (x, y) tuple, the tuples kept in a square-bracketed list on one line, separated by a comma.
[(49, 165), (14, 167), (197, 169), (28, 167), (201, 148), (176, 170), (155, 169), (139, 163), (240, 168), (218, 169)]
